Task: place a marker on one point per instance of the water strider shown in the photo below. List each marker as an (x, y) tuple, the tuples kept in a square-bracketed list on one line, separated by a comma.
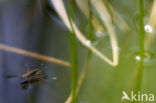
[(31, 77)]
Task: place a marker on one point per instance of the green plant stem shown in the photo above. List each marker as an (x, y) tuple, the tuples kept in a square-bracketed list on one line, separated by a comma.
[(74, 77), (141, 28), (141, 44), (73, 52), (90, 22)]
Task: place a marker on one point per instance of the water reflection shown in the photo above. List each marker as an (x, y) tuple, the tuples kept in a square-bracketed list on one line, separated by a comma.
[(147, 56), (148, 28)]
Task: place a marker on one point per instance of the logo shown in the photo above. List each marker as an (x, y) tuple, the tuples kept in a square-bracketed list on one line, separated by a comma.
[(140, 97)]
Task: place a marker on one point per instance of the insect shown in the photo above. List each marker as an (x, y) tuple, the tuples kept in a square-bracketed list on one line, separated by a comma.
[(31, 77)]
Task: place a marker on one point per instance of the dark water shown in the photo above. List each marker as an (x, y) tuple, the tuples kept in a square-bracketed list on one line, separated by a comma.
[(25, 25)]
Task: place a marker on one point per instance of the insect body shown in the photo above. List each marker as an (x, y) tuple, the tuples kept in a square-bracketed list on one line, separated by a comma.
[(31, 77), (28, 74), (31, 73)]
